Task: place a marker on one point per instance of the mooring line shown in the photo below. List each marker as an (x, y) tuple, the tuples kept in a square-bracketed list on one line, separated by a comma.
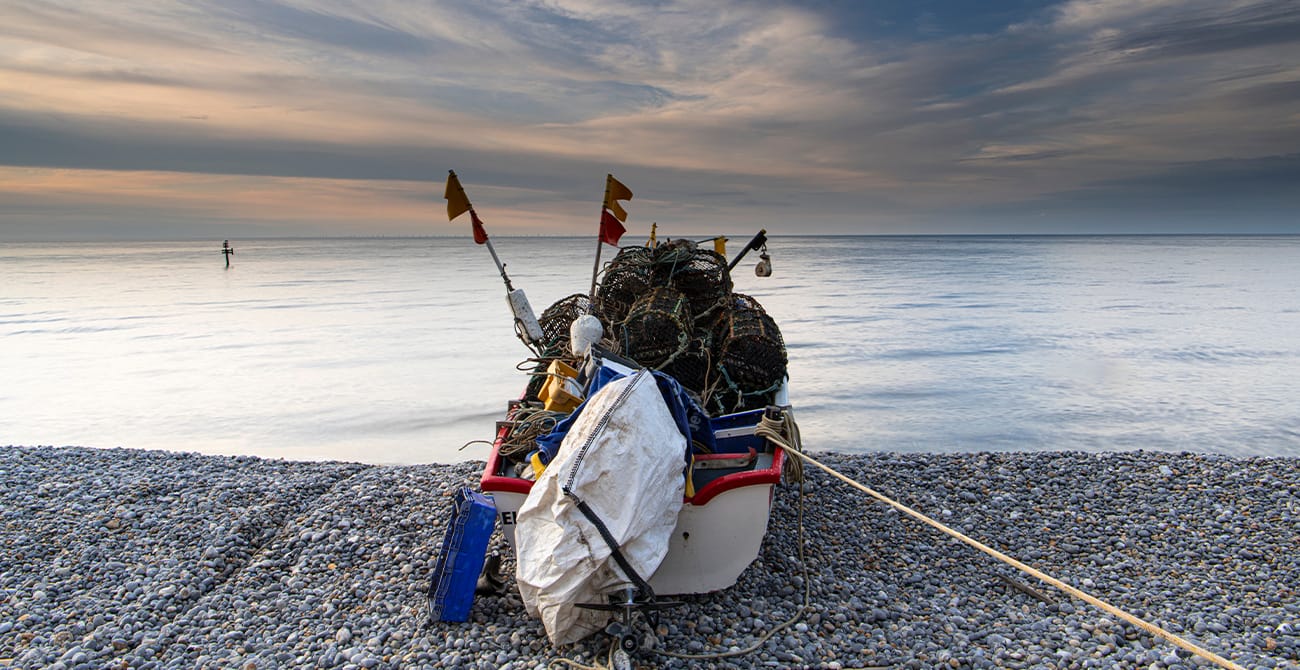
[(771, 434)]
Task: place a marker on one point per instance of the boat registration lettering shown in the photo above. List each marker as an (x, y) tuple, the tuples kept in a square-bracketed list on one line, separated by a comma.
[(508, 518)]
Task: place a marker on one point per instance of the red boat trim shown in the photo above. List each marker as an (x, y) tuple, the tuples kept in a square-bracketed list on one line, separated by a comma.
[(491, 482), (736, 480)]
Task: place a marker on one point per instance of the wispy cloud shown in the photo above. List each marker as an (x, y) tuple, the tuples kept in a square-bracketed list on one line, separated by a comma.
[(718, 113)]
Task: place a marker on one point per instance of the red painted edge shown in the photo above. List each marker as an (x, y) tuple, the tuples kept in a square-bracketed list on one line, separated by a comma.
[(490, 482), (768, 475)]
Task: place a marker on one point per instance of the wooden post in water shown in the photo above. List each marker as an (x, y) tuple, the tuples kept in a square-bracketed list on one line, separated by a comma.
[(227, 250)]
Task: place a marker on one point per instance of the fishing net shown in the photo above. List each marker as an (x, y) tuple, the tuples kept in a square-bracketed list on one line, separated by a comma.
[(535, 381), (558, 317), (627, 278), (751, 355), (657, 328)]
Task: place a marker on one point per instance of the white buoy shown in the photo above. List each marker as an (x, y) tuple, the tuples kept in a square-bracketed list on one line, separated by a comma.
[(585, 331), (524, 316)]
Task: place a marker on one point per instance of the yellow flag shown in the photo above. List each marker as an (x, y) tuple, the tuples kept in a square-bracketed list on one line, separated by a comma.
[(457, 201), (615, 191), (720, 245)]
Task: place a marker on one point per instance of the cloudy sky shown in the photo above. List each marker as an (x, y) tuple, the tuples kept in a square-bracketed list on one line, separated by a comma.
[(242, 118)]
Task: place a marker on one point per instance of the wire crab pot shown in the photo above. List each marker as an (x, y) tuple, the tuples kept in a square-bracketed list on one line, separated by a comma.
[(658, 327), (557, 318), (627, 278), (703, 277), (751, 353)]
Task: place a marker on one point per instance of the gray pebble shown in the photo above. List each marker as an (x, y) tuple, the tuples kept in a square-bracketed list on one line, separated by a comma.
[(249, 562)]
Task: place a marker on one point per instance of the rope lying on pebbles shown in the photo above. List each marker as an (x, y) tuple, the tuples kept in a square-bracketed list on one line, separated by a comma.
[(113, 558), (1077, 593)]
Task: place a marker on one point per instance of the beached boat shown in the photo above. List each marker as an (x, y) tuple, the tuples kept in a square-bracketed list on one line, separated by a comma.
[(719, 368), (635, 463)]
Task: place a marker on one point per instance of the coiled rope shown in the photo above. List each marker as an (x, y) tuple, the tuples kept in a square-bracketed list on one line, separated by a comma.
[(530, 423), (766, 430)]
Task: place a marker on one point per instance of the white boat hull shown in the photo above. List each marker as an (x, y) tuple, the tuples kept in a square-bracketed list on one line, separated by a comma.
[(712, 543)]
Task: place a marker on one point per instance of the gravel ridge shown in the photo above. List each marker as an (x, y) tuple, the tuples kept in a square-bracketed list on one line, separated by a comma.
[(116, 558)]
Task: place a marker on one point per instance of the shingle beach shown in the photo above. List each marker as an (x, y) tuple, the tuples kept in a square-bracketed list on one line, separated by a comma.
[(144, 559)]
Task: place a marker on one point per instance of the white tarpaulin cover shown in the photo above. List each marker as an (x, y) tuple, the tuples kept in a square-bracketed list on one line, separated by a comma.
[(623, 457)]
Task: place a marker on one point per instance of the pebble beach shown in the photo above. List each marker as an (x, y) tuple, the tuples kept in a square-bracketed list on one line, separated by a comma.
[(148, 559)]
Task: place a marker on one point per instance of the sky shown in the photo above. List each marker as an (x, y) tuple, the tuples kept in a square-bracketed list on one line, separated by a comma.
[(139, 119)]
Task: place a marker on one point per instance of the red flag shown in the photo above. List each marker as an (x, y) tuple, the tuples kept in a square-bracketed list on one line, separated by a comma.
[(610, 228), (480, 235)]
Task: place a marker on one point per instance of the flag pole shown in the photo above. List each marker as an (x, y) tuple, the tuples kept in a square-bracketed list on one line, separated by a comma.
[(501, 267), (526, 326), (595, 269), (487, 241)]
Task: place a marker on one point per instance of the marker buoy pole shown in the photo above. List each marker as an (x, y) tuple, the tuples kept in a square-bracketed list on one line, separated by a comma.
[(227, 250)]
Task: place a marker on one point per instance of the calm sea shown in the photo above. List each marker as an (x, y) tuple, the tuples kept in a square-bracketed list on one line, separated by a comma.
[(402, 351)]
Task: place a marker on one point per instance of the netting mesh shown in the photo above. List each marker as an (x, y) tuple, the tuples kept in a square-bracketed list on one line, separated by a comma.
[(627, 278), (657, 328), (557, 318)]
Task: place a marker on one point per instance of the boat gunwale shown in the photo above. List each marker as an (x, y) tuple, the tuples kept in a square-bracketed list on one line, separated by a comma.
[(491, 482)]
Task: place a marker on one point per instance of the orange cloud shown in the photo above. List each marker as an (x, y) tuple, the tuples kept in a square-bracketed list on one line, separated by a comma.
[(325, 206)]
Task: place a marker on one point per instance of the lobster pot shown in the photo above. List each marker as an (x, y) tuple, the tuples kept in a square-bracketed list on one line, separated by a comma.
[(752, 353), (703, 278), (657, 328), (668, 257), (697, 367), (626, 279), (691, 368), (558, 317)]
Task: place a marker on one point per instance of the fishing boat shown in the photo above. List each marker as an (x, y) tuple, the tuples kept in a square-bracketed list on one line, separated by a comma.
[(665, 320), (634, 465)]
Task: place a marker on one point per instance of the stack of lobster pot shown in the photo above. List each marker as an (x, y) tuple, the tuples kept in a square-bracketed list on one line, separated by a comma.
[(672, 308)]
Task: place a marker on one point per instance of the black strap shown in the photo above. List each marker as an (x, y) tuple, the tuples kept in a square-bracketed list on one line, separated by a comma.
[(642, 585)]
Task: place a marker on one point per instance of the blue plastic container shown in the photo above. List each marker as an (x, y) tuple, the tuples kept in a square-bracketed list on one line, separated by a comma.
[(460, 560)]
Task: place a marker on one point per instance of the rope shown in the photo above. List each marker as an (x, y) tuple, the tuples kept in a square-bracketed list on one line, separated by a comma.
[(578, 665), (530, 424), (1095, 602), (785, 433), (741, 395)]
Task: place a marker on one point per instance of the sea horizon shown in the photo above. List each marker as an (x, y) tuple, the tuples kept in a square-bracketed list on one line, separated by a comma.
[(400, 350), (634, 234)]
